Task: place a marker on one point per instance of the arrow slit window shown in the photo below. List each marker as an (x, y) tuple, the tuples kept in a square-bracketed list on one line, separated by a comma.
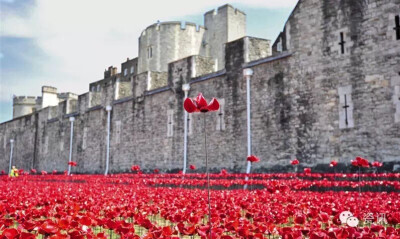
[(117, 132), (221, 115), (84, 138), (396, 101), (345, 107), (170, 123)]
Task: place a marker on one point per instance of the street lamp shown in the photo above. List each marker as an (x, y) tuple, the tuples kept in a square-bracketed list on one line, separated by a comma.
[(185, 88), (108, 109), (247, 73), (11, 155), (71, 119)]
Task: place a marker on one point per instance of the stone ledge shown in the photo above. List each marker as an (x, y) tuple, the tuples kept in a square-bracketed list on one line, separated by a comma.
[(266, 60), (122, 100), (94, 108), (208, 76)]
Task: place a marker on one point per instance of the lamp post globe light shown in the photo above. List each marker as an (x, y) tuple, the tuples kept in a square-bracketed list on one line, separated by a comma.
[(108, 109), (185, 88), (72, 120), (11, 154), (248, 73)]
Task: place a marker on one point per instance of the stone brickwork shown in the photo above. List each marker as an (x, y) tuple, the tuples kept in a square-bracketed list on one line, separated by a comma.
[(302, 96)]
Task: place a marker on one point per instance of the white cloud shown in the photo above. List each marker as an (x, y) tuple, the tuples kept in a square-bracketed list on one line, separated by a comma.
[(84, 37)]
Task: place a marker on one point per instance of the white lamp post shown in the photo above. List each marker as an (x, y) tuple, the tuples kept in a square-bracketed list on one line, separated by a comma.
[(247, 73), (11, 154), (185, 88), (71, 119), (108, 109)]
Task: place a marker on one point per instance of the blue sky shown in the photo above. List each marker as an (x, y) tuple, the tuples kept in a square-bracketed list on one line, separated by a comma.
[(69, 43)]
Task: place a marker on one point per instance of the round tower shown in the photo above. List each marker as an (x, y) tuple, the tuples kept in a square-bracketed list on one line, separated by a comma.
[(165, 42), (23, 105)]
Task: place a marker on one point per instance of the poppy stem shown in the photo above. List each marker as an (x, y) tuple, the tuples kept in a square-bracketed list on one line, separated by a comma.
[(208, 175), (359, 188)]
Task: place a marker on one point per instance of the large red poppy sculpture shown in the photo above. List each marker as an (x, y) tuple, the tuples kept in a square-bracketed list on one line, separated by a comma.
[(199, 104)]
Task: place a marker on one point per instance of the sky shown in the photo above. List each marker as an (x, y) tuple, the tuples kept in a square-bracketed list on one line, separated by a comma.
[(68, 43)]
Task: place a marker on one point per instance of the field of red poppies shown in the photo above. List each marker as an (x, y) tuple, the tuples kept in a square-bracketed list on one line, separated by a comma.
[(303, 205)]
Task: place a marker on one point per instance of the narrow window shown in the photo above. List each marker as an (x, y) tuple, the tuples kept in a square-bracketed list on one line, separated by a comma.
[(397, 26), (62, 141), (117, 132), (170, 123), (150, 52), (132, 69), (342, 42), (221, 115), (396, 101), (345, 107), (125, 72), (84, 138)]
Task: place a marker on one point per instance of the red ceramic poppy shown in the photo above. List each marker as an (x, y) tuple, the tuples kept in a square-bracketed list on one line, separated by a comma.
[(307, 170), (299, 218), (10, 233), (135, 168), (253, 159), (199, 104), (333, 163), (294, 162), (360, 162), (192, 167), (72, 163), (377, 164)]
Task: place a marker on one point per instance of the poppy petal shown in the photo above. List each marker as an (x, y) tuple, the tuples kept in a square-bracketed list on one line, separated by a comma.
[(201, 101), (214, 105), (189, 106)]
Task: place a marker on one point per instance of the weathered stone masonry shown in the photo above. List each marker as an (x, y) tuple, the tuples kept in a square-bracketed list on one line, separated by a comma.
[(330, 91)]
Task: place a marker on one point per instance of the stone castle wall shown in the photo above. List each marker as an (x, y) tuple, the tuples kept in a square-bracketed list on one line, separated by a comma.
[(300, 99)]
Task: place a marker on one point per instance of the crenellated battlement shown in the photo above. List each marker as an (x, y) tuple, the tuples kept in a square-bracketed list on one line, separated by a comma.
[(49, 89), (162, 26), (221, 10), (25, 100), (67, 96)]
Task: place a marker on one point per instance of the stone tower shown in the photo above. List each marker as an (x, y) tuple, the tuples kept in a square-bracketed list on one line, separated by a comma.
[(223, 25), (165, 42), (23, 105)]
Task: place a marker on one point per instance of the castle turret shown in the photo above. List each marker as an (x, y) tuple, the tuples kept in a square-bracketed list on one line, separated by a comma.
[(162, 43), (24, 105), (224, 25), (49, 96)]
